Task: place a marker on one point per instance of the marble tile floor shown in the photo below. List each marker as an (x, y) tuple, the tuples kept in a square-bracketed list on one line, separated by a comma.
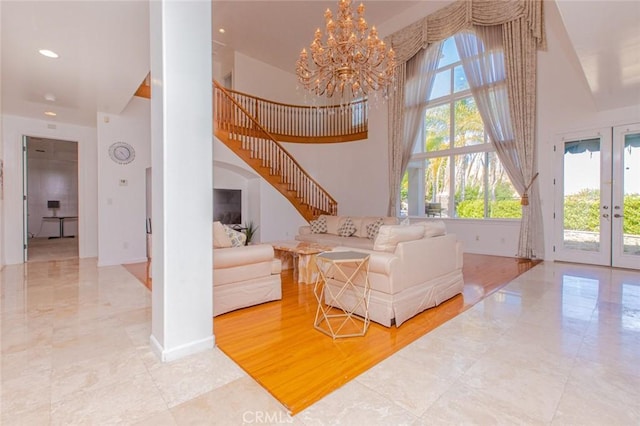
[(558, 345), (44, 249)]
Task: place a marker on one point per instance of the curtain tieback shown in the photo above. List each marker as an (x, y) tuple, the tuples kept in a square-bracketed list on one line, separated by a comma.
[(524, 200)]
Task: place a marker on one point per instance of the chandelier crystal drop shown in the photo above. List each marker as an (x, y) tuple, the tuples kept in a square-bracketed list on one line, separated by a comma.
[(353, 62)]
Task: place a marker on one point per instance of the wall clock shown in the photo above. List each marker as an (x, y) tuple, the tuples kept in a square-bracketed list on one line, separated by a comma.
[(122, 152)]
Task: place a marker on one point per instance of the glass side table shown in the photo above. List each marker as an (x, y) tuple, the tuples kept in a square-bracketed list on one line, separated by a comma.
[(342, 290)]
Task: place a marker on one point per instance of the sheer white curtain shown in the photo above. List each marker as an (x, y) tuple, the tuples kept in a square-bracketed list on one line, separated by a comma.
[(483, 59), (419, 74)]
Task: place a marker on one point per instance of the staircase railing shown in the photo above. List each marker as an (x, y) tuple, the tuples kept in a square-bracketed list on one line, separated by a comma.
[(236, 123), (307, 124)]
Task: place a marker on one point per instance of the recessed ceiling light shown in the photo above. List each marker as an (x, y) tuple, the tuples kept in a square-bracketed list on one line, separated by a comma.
[(48, 53), (221, 30), (50, 97), (50, 113)]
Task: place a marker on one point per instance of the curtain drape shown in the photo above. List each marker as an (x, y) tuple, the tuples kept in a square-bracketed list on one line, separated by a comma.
[(483, 59), (520, 25), (408, 114)]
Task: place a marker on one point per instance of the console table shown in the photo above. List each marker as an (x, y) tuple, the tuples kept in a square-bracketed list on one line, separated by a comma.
[(302, 255), (60, 220), (338, 302)]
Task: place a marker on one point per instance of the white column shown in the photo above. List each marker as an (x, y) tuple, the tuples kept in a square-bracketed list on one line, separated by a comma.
[(182, 169), (2, 214)]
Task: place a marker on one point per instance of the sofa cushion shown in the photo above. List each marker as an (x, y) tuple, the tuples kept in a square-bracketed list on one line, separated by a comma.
[(220, 237), (319, 226), (347, 228), (390, 235), (238, 239)]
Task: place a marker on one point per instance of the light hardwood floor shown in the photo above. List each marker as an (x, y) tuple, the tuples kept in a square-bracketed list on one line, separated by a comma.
[(277, 345)]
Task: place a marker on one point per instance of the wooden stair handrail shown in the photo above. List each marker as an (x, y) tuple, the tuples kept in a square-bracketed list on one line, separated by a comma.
[(271, 155), (307, 124)]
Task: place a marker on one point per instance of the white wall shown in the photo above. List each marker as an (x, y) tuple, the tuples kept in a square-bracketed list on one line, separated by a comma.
[(122, 206), (494, 237), (13, 128)]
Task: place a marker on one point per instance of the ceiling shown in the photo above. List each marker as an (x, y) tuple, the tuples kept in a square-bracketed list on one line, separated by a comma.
[(104, 56), (606, 39), (104, 47)]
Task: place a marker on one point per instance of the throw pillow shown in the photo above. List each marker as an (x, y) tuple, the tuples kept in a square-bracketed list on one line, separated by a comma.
[(319, 226), (220, 237), (373, 229), (237, 238), (347, 228)]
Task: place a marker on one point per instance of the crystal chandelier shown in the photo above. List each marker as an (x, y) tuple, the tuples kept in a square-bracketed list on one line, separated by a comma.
[(353, 62)]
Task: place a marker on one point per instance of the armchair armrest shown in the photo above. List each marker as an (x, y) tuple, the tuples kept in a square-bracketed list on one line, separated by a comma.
[(238, 256)]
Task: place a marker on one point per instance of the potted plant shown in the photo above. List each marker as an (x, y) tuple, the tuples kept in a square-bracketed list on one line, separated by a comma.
[(249, 230)]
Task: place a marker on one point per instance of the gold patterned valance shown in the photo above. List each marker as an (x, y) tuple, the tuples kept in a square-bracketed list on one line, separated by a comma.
[(464, 14)]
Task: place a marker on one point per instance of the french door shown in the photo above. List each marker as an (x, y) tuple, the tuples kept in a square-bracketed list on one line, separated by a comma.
[(597, 208)]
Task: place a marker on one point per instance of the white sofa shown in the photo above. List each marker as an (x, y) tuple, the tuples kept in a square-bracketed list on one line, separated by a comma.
[(243, 275), (331, 238), (411, 268)]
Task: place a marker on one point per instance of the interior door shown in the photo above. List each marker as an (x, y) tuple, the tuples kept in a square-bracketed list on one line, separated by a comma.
[(583, 198), (597, 215), (626, 197), (25, 208)]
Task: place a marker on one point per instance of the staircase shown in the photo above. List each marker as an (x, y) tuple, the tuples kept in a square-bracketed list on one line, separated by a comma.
[(239, 129)]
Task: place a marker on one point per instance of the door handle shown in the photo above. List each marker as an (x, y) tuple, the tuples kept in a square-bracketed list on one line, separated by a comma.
[(606, 215), (618, 215)]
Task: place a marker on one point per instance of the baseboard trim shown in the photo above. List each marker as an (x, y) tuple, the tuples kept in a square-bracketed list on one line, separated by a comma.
[(168, 355)]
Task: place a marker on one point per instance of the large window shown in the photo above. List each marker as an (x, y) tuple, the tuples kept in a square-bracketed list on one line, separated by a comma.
[(454, 171)]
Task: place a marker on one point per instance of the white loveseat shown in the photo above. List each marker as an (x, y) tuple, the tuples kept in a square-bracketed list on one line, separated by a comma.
[(243, 275), (411, 268)]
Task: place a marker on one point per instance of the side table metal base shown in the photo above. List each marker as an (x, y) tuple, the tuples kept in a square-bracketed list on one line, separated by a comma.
[(334, 317)]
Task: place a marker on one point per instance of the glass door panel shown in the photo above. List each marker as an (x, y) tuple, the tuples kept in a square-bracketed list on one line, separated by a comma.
[(626, 197), (583, 196)]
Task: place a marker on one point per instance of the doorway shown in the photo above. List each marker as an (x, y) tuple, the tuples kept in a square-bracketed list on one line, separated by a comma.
[(597, 215), (50, 201)]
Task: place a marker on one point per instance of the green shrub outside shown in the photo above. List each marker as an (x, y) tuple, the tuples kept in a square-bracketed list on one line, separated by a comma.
[(632, 215), (510, 209), (582, 212), (499, 209)]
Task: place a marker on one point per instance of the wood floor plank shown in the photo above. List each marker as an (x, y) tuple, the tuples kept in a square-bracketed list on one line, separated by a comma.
[(278, 346)]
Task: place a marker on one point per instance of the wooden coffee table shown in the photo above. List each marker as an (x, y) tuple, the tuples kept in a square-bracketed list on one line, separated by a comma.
[(301, 256)]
